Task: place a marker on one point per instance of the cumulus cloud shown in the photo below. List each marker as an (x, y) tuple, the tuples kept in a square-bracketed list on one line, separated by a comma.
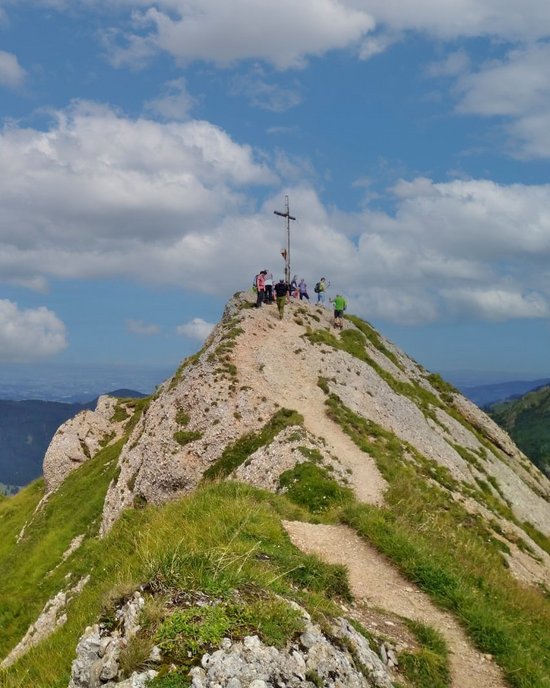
[(96, 188), (283, 33), (516, 88), (142, 328), (99, 195), (498, 304), (12, 74), (196, 329), (506, 19), (28, 335)]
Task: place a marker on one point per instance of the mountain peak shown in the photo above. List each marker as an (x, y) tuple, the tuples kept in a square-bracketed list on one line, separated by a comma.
[(257, 376)]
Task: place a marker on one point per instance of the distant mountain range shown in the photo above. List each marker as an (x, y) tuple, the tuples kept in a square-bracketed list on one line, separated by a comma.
[(483, 395), (26, 429), (527, 420)]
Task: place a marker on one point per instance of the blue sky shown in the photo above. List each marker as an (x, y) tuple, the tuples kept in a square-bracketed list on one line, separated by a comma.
[(144, 147)]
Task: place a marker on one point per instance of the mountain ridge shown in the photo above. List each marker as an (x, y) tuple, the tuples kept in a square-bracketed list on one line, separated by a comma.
[(343, 426)]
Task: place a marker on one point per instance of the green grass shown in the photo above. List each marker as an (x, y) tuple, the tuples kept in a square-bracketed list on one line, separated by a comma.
[(192, 631), (73, 510), (309, 485), (237, 452), (184, 437), (374, 338), (429, 666)]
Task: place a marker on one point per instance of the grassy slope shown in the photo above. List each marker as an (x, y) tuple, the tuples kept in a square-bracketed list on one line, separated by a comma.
[(527, 421), (244, 547)]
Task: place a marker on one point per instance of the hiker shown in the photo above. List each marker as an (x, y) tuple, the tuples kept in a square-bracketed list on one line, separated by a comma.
[(302, 288), (269, 287), (281, 292), (320, 289), (340, 306), (294, 292), (260, 287)]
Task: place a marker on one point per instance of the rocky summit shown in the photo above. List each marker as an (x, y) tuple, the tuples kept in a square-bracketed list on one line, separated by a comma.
[(342, 427)]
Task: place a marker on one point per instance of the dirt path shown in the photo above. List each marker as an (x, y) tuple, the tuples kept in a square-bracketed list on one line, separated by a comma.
[(374, 580), (281, 367)]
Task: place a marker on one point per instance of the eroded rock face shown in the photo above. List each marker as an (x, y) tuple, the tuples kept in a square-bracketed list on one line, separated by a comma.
[(77, 440)]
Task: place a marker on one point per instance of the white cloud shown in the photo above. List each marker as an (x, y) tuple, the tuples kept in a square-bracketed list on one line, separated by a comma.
[(283, 33), (96, 189), (516, 85), (99, 195), (142, 328), (12, 74), (175, 103), (508, 19), (515, 89), (454, 64), (374, 45), (27, 335), (498, 304), (196, 329)]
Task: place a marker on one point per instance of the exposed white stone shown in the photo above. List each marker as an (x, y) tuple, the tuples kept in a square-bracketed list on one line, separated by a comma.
[(77, 440)]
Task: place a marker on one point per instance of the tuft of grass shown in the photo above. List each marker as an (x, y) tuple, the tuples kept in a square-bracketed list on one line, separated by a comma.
[(427, 667), (191, 632), (184, 437), (182, 417), (311, 487), (237, 452)]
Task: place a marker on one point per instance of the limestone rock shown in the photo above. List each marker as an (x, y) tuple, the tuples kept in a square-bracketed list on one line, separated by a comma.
[(77, 440), (314, 658), (97, 654)]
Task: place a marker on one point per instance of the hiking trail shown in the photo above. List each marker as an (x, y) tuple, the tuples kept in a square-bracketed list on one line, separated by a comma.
[(281, 368), (373, 579)]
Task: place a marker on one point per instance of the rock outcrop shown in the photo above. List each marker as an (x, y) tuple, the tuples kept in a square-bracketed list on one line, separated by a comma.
[(79, 439), (338, 657)]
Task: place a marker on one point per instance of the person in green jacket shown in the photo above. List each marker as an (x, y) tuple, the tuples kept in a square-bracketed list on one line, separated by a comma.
[(340, 306)]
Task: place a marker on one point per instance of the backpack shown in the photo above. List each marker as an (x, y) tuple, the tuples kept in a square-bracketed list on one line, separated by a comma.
[(317, 288)]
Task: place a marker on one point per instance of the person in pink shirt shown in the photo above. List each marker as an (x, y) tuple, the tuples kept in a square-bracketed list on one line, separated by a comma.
[(260, 287)]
